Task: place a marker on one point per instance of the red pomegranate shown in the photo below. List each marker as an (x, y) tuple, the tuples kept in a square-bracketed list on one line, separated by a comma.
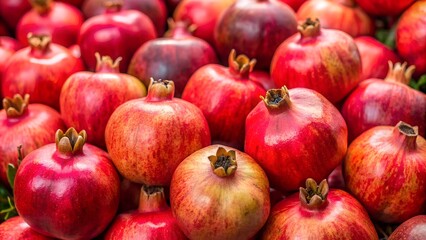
[(236, 94), (295, 134), (384, 7), (12, 10), (412, 229), (67, 190), (148, 137), (17, 229), (325, 60)]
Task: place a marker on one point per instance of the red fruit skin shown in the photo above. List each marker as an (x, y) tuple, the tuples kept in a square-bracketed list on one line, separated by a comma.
[(203, 14), (227, 107), (32, 130), (12, 10), (294, 4), (343, 217), (328, 63), (62, 22), (129, 195), (307, 139), (412, 229), (376, 102), (384, 7), (374, 57), (207, 206), (82, 190), (148, 139), (335, 179), (5, 54), (386, 172), (254, 28), (10, 43), (410, 36), (342, 15), (40, 74), (3, 29), (264, 79), (76, 3), (114, 34), (16, 228)]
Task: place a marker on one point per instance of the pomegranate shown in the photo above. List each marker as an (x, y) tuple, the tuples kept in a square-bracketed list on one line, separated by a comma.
[(294, 4), (60, 21), (116, 33), (411, 35), (385, 169), (374, 57), (317, 212), (342, 15), (5, 54), (97, 95), (129, 195), (378, 102), (219, 192), (39, 70), (72, 181), (10, 44), (147, 138), (203, 14), (299, 130), (236, 94), (176, 56), (12, 10), (16, 228), (384, 7), (324, 60), (254, 28), (412, 229), (152, 220), (23, 124)]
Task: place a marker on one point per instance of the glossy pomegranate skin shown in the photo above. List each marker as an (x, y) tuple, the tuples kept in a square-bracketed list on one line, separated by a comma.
[(122, 31), (410, 35), (254, 28), (40, 73), (412, 229), (374, 57), (176, 58), (97, 95), (17, 229), (385, 170), (342, 15), (325, 60), (274, 137), (208, 206), (147, 138), (12, 10), (61, 21), (378, 102), (383, 7), (81, 189), (203, 14), (5, 54), (156, 10), (294, 4)]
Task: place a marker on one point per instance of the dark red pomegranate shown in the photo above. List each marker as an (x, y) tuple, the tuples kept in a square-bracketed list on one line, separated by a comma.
[(325, 60), (17, 229), (67, 190), (148, 137), (176, 57), (342, 15), (235, 94), (60, 21), (152, 220), (384, 7), (116, 33), (378, 102), (295, 134), (385, 169), (294, 4), (12, 10), (374, 57), (97, 95), (40, 70), (254, 28), (317, 212), (23, 124), (412, 229)]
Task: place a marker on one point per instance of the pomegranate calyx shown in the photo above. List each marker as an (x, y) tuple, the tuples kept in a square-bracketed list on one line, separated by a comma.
[(160, 90), (408, 132), (314, 195), (16, 106), (179, 29), (400, 73), (113, 6), (152, 199), (240, 64), (106, 64), (41, 6), (309, 28), (275, 98), (224, 163), (39, 42), (70, 142)]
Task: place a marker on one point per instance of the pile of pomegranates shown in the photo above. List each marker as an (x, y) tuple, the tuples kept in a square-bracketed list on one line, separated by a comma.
[(213, 119)]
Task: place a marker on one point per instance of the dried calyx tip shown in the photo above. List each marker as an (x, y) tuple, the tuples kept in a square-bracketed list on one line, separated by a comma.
[(310, 27), (241, 64), (277, 97), (399, 72), (407, 129), (107, 60), (314, 195), (70, 142), (224, 162), (16, 106), (40, 41)]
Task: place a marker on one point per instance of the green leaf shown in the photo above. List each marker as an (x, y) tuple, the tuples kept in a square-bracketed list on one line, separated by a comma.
[(10, 211), (11, 173)]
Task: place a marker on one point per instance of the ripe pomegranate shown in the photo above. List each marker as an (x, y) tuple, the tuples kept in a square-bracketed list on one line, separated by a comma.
[(384, 7), (412, 229), (16, 228)]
